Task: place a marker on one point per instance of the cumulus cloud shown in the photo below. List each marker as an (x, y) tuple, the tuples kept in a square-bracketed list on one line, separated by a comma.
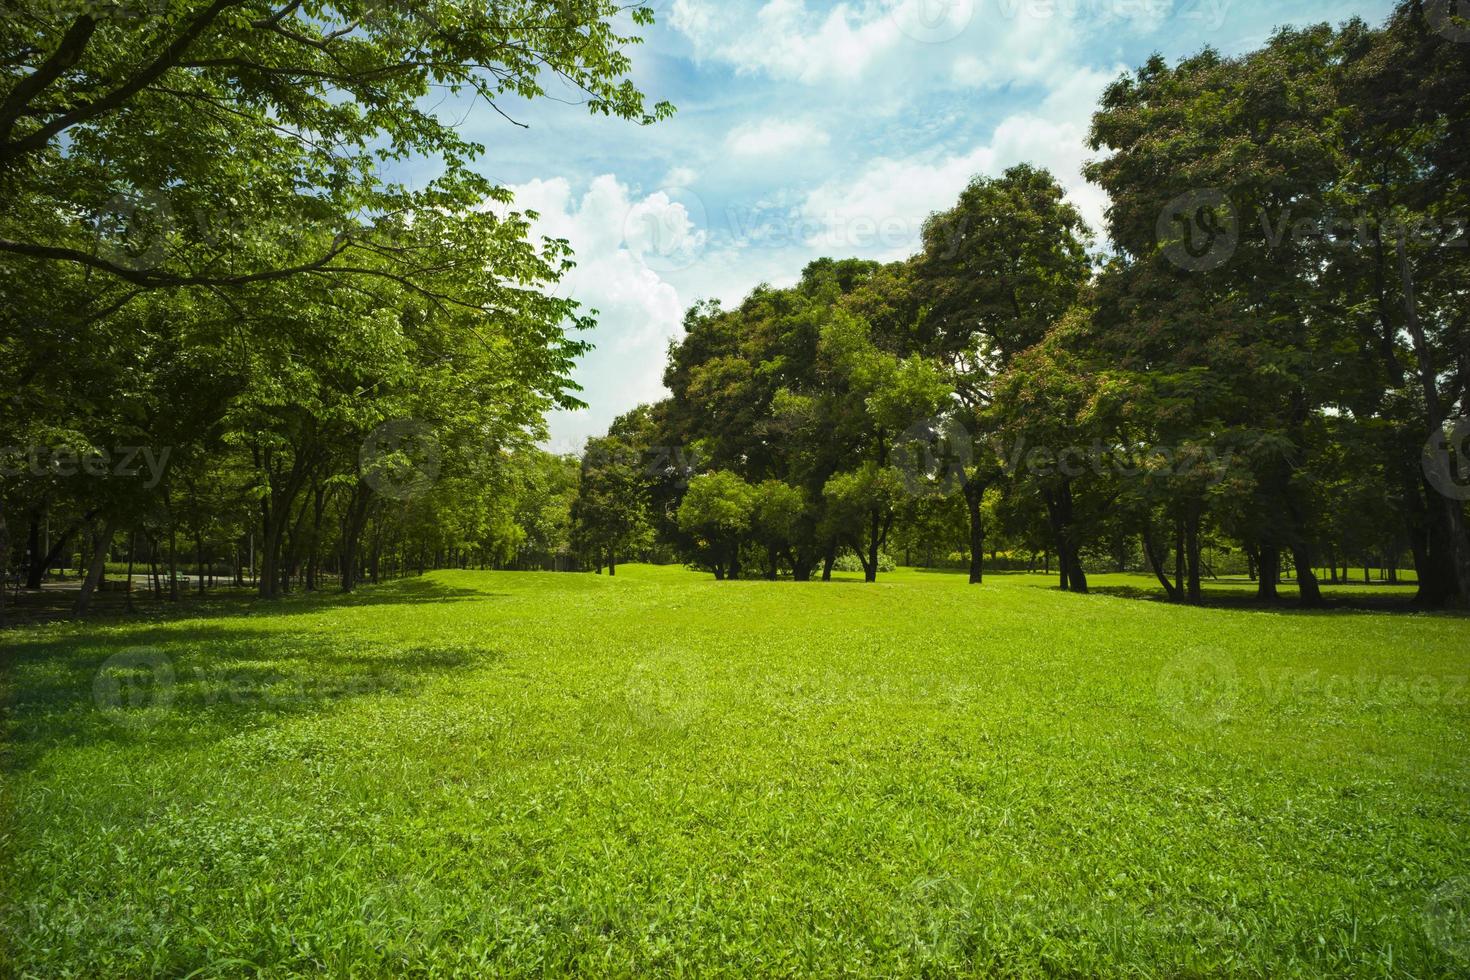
[(880, 211), (879, 43), (774, 137), (617, 237), (787, 40)]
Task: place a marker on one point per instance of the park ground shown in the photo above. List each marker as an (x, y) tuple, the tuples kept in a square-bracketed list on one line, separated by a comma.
[(530, 773)]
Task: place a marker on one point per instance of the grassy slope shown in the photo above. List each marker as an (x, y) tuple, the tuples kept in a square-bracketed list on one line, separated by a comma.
[(527, 773)]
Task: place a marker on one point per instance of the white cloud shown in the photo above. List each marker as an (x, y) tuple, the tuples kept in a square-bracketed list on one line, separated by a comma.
[(886, 44), (774, 137), (786, 40), (880, 212), (611, 232)]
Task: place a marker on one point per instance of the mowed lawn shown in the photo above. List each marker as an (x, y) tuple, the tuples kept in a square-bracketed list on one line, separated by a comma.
[(501, 773)]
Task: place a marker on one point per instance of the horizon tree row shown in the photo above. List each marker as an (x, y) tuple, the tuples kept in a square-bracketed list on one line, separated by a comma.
[(1271, 357)]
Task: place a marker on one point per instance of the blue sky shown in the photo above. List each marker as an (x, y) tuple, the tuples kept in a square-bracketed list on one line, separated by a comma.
[(808, 128)]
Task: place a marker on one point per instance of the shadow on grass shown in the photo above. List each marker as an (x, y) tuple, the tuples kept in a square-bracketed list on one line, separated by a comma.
[(54, 604), (1239, 593), (1287, 603), (164, 687)]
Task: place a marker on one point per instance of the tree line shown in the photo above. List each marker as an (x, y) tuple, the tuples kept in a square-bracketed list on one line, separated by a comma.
[(1268, 358), (205, 252)]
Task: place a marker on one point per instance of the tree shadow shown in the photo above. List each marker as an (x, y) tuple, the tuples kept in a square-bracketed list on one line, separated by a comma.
[(402, 592), (111, 605), (1287, 604), (165, 687)]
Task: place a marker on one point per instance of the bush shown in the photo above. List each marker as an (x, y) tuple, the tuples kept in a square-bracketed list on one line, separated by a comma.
[(848, 561)]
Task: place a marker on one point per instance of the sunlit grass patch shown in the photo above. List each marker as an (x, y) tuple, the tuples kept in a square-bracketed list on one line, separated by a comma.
[(656, 772)]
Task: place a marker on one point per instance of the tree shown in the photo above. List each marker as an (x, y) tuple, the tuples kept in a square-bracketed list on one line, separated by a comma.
[(997, 270), (610, 512), (1045, 404), (279, 117), (716, 513), (775, 521), (861, 506)]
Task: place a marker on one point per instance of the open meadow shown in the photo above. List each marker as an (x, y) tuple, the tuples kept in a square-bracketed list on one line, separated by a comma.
[(524, 773)]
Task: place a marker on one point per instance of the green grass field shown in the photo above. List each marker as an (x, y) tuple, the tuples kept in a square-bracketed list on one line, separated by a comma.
[(502, 773)]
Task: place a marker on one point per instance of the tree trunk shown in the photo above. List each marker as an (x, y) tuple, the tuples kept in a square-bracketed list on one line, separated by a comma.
[(132, 551), (275, 516), (319, 502), (1270, 573), (33, 543), (36, 572), (153, 566), (99, 564), (828, 560), (1069, 550), (199, 558), (1192, 547), (1179, 562), (801, 564), (353, 521), (1457, 539), (974, 496), (173, 560), (870, 566), (1156, 563), (5, 559), (612, 562), (1306, 579)]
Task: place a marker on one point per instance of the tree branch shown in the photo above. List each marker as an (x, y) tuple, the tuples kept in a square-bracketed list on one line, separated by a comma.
[(169, 58), (67, 53)]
